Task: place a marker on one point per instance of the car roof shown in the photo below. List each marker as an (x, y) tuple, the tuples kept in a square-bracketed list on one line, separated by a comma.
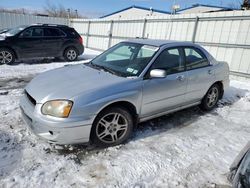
[(159, 43), (48, 25)]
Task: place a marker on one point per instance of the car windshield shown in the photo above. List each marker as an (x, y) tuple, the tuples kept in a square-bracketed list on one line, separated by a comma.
[(14, 31), (125, 59)]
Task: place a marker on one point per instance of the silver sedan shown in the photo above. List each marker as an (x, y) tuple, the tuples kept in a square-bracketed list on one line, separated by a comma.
[(134, 81)]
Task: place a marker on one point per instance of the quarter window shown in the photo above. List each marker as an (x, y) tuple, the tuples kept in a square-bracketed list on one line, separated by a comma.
[(170, 60), (195, 59)]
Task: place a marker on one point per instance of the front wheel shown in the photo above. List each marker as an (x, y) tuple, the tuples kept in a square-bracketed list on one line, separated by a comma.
[(70, 54), (6, 56), (211, 99), (113, 126)]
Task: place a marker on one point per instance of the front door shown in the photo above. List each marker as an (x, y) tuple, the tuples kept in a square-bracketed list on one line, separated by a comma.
[(163, 94), (30, 43)]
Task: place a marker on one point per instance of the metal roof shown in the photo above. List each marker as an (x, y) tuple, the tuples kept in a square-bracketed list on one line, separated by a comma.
[(202, 5), (138, 7)]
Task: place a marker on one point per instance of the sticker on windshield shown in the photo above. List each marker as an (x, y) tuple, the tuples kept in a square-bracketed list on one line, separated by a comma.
[(130, 69), (135, 71)]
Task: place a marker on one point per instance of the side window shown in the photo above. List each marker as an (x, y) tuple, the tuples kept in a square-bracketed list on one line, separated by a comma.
[(32, 32), (51, 32), (195, 59), (27, 33), (121, 53), (170, 60), (37, 32)]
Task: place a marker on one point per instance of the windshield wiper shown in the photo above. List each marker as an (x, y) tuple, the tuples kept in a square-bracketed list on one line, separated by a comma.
[(106, 69)]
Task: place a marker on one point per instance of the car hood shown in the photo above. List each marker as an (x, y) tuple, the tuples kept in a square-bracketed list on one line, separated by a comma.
[(68, 82)]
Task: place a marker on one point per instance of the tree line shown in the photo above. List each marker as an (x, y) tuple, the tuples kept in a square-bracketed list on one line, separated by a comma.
[(49, 10)]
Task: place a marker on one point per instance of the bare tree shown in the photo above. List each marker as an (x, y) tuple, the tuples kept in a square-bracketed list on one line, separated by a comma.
[(246, 5), (60, 11), (16, 11)]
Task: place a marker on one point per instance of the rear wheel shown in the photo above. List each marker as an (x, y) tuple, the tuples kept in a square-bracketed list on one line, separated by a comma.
[(113, 126), (6, 56), (211, 99), (70, 54)]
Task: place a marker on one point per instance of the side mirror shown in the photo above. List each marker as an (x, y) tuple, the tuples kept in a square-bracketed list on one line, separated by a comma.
[(158, 73)]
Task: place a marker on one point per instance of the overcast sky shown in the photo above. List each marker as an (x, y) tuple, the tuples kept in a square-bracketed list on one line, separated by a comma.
[(94, 8)]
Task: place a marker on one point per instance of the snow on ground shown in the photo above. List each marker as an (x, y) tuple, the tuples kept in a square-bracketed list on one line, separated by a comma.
[(189, 148), (32, 67)]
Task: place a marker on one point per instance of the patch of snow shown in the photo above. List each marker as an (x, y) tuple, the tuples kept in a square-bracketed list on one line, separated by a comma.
[(189, 148), (32, 67)]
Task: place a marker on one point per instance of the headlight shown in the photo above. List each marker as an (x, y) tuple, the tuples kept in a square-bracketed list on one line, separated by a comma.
[(57, 108)]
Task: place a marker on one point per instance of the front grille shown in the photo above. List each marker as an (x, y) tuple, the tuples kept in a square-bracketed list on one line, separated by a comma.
[(31, 99)]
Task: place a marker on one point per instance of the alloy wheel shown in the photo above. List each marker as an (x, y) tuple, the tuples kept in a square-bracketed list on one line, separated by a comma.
[(212, 97), (5, 57), (111, 128), (71, 54)]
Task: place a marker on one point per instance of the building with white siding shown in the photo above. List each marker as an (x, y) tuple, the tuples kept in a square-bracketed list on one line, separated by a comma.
[(135, 12), (200, 8)]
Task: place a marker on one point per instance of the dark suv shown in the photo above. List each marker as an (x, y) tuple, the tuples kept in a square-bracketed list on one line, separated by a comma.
[(40, 40)]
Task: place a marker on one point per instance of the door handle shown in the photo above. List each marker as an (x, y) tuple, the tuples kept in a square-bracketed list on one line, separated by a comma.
[(180, 78)]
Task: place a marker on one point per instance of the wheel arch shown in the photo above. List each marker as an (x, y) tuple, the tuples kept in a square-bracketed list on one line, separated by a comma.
[(130, 107), (69, 46), (10, 48), (220, 84), (123, 104)]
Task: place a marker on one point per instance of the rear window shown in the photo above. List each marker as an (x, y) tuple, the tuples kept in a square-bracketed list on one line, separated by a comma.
[(53, 32), (73, 32)]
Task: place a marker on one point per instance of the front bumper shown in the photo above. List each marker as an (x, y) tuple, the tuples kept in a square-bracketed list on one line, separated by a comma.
[(55, 130)]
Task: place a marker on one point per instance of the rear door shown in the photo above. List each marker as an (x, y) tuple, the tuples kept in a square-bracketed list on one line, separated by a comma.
[(54, 39), (30, 43), (200, 74)]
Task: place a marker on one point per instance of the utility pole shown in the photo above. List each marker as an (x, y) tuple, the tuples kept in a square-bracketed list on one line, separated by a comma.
[(76, 13), (68, 10)]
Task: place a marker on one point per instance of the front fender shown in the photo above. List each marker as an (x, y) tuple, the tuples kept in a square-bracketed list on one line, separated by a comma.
[(92, 108)]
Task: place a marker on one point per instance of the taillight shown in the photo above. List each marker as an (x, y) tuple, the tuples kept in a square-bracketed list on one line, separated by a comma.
[(80, 40)]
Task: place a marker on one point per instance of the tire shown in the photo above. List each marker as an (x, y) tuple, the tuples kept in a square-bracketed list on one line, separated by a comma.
[(7, 56), (107, 130), (70, 54), (211, 98)]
